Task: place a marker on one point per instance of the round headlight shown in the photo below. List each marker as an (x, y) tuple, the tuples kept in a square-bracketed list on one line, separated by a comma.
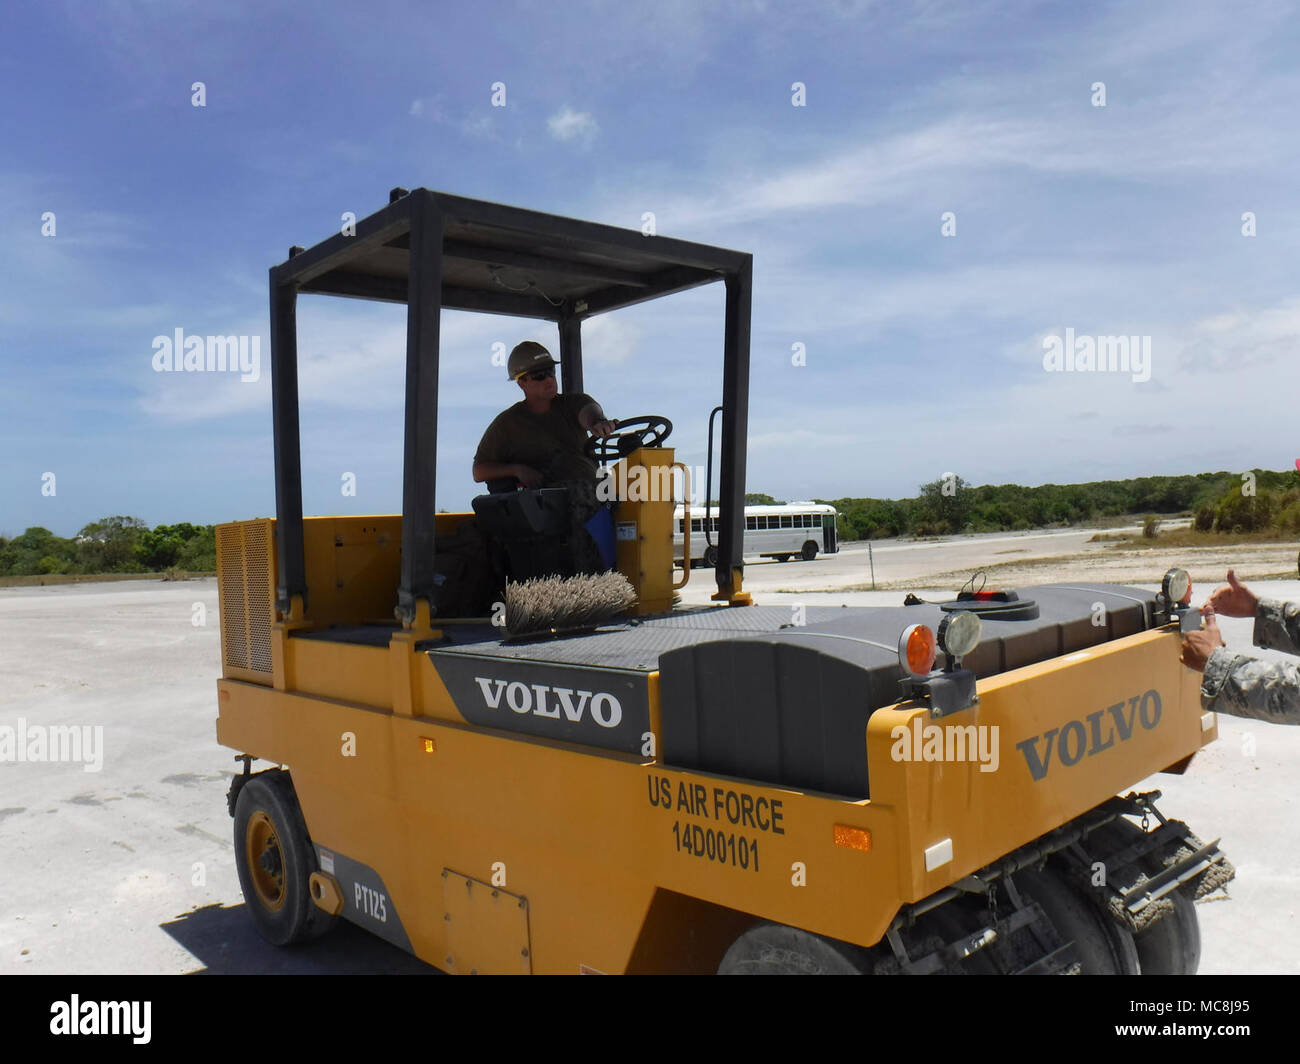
[(959, 633), (916, 650), (1177, 586)]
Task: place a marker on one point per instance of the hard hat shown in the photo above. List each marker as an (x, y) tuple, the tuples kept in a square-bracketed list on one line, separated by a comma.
[(527, 356)]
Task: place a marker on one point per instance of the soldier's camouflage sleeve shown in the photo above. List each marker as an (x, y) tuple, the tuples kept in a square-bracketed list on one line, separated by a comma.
[(1244, 686), (1277, 625)]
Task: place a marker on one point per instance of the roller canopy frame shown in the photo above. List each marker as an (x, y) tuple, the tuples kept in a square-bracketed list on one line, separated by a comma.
[(434, 251)]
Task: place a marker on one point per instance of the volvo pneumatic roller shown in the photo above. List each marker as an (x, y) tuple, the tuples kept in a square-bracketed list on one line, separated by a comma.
[(504, 763)]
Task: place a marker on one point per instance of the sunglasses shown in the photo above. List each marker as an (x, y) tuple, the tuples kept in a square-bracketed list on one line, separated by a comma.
[(541, 374)]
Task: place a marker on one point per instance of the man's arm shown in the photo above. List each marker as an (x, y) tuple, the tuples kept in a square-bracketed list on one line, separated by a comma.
[(484, 471), (1277, 625), (487, 463), (1245, 686), (592, 418)]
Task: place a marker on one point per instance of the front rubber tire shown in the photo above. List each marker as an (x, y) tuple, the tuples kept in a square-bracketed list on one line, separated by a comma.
[(275, 860), (774, 949)]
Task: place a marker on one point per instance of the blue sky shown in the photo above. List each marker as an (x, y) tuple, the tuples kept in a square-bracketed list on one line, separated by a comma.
[(924, 351)]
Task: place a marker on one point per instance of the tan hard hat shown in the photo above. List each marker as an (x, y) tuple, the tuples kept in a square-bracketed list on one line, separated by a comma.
[(527, 356)]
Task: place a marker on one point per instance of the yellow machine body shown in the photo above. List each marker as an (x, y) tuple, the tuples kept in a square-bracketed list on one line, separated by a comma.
[(495, 850)]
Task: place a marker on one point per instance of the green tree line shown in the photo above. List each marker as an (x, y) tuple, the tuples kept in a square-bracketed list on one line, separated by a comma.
[(1224, 501), (111, 545)]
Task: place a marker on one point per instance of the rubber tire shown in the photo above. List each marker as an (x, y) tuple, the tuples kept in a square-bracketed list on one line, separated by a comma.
[(1172, 945), (774, 949), (711, 557), (1101, 946), (809, 551), (299, 919), (783, 557)]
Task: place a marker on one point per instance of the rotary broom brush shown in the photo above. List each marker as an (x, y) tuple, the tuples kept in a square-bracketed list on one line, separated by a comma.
[(557, 605)]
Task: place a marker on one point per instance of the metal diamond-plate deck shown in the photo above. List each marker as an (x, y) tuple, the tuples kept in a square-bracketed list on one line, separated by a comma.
[(739, 618)]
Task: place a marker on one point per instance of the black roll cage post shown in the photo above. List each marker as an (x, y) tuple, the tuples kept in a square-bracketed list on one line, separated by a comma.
[(431, 250)]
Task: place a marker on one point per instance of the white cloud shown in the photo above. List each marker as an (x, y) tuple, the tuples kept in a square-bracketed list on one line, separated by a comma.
[(567, 124), (609, 340), (479, 126)]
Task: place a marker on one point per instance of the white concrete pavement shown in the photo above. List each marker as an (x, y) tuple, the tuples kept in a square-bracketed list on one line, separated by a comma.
[(130, 868)]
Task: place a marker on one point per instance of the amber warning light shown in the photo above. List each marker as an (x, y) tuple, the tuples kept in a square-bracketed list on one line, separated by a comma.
[(916, 647), (853, 838)]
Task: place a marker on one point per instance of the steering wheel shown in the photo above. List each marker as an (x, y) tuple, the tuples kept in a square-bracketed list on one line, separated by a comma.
[(622, 442)]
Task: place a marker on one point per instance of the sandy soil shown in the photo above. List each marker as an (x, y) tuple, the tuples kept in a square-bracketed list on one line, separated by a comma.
[(1207, 565)]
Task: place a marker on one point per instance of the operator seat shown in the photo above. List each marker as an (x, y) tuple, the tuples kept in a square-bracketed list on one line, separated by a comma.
[(531, 525)]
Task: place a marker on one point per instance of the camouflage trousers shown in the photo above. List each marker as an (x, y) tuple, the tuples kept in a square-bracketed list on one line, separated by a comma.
[(583, 506)]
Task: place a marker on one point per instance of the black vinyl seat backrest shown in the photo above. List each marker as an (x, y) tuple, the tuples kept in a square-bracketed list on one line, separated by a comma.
[(533, 527)]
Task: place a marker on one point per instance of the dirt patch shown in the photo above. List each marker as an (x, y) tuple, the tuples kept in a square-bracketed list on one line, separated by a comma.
[(1208, 566)]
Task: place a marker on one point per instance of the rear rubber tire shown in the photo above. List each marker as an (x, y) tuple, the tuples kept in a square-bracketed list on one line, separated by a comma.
[(1172, 945), (782, 557), (809, 551), (711, 557), (1101, 946), (774, 949), (275, 860)]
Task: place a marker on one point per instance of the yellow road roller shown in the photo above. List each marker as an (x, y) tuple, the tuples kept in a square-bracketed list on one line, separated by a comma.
[(941, 786)]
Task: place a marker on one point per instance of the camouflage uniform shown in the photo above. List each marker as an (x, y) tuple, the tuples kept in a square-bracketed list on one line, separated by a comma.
[(1244, 686), (583, 505)]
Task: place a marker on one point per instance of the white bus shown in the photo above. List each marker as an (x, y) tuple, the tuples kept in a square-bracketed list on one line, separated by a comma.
[(791, 530)]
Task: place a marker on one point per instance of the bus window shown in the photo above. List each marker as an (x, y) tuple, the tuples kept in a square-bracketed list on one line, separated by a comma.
[(787, 521), (751, 523)]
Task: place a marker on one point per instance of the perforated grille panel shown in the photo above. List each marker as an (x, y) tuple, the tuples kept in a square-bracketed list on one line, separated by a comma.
[(245, 584)]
